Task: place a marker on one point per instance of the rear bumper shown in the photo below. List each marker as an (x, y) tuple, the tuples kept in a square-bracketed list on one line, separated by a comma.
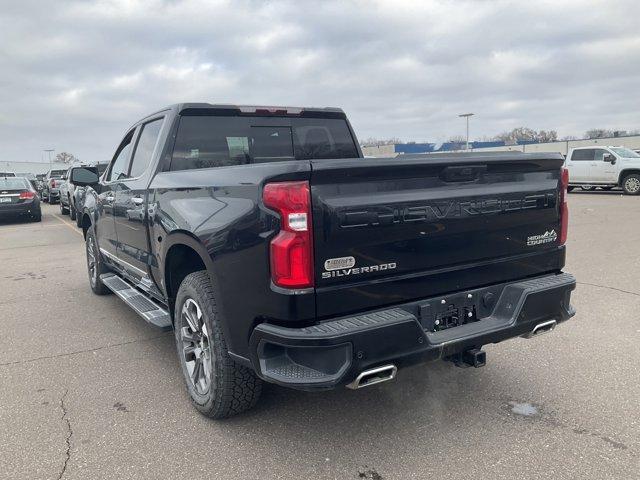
[(333, 353), (15, 209)]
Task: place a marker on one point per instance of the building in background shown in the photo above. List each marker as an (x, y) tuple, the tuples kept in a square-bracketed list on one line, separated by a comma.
[(629, 141)]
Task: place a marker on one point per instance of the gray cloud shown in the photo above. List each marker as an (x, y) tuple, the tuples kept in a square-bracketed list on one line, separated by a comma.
[(74, 75)]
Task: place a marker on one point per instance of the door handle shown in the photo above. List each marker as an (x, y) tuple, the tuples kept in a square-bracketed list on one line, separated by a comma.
[(137, 200)]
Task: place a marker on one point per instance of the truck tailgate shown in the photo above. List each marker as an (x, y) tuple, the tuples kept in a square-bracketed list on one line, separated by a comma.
[(395, 229)]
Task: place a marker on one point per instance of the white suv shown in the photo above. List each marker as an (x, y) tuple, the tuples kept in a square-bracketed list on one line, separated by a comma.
[(604, 167)]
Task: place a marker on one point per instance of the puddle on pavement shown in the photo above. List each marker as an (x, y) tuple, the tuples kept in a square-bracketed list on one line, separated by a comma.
[(524, 409)]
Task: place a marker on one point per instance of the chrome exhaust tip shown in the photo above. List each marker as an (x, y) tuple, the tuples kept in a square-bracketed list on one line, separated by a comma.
[(539, 329), (373, 376)]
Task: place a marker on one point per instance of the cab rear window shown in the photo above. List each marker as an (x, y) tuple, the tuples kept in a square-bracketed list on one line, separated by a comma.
[(219, 141)]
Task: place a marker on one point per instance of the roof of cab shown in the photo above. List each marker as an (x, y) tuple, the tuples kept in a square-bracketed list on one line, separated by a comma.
[(180, 108), (254, 108)]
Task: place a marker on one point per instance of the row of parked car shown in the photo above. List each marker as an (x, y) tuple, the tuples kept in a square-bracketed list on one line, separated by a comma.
[(20, 196), (61, 189)]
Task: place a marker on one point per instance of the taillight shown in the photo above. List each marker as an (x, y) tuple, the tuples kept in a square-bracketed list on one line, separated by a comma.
[(53, 184), (291, 250), (26, 195), (564, 209)]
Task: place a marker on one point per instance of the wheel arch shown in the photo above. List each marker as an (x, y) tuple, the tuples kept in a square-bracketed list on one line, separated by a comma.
[(624, 173), (183, 254)]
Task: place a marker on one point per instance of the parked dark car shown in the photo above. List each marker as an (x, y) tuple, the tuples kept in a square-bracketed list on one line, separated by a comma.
[(18, 198), (51, 187), (278, 253)]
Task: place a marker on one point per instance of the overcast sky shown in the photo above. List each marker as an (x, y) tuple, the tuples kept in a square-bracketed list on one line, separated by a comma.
[(75, 75)]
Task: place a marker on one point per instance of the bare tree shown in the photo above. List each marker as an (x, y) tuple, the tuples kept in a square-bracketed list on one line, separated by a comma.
[(598, 133), (547, 136), (520, 134), (65, 157)]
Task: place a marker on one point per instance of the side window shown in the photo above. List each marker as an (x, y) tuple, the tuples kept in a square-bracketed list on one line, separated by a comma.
[(586, 154), (145, 147), (599, 154), (118, 169), (206, 142)]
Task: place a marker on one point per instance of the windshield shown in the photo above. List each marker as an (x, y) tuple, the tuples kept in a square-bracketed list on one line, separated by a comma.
[(57, 173), (13, 183), (625, 152)]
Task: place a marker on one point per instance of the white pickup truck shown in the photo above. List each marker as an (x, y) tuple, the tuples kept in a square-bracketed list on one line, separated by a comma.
[(604, 167)]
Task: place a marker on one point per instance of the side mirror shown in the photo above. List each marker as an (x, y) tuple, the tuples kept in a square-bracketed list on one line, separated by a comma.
[(609, 158), (84, 177)]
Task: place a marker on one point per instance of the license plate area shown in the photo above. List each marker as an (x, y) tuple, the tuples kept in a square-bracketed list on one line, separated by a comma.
[(5, 199), (454, 310)]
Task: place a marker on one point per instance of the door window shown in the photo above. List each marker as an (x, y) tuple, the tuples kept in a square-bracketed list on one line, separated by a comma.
[(599, 154), (119, 164), (145, 147), (585, 154)]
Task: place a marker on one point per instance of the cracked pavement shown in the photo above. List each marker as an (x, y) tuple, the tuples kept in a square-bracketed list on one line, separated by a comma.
[(88, 390)]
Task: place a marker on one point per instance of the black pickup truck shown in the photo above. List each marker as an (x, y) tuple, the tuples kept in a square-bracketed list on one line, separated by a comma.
[(277, 253)]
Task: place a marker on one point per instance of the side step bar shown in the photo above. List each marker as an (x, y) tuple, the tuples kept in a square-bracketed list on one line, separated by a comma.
[(140, 303)]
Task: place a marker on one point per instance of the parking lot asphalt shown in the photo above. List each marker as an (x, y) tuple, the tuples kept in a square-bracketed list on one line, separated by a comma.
[(88, 390)]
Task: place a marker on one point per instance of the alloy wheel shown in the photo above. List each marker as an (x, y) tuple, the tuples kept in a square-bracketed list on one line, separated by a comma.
[(196, 347), (632, 185)]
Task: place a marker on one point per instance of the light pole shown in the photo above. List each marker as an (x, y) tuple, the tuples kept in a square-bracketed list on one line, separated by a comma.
[(49, 150), (467, 115)]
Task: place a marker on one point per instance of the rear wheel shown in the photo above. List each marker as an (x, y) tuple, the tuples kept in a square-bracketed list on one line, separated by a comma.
[(569, 189), (95, 266), (37, 217), (631, 184), (218, 386), (63, 210), (606, 188)]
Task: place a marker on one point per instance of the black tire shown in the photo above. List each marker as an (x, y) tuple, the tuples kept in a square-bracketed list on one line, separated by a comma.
[(222, 387), (569, 189), (37, 217), (78, 220), (72, 211), (93, 254), (631, 184), (606, 189), (63, 210), (588, 188)]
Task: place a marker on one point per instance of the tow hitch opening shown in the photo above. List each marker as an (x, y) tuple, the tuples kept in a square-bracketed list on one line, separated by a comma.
[(469, 358)]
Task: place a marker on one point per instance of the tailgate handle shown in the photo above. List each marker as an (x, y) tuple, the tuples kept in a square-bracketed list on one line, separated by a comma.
[(462, 173)]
